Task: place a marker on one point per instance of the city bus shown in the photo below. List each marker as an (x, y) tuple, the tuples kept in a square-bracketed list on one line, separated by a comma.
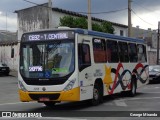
[(74, 64)]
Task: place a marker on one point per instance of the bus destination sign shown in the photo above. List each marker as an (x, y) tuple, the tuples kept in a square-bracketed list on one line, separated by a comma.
[(49, 36)]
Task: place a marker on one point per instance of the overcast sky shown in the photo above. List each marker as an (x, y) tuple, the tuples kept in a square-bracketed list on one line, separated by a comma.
[(146, 13)]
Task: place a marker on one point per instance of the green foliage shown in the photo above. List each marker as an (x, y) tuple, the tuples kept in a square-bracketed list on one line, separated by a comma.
[(67, 21), (81, 22), (107, 27), (96, 27)]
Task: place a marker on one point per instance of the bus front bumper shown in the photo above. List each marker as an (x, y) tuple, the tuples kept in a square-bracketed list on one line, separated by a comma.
[(70, 95)]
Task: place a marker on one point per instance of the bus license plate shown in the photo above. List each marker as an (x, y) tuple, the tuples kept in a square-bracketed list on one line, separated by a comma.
[(44, 99)]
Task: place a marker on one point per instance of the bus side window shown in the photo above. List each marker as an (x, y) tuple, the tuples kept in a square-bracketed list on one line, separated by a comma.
[(99, 50), (133, 52), (141, 53), (123, 52), (84, 59), (112, 51)]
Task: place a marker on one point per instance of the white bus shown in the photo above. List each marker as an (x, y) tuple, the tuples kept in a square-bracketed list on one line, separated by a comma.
[(77, 64)]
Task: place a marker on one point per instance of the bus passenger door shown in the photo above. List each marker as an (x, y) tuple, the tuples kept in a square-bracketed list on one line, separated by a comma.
[(85, 69)]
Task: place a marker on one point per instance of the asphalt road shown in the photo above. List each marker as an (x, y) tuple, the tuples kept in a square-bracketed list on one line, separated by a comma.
[(117, 107)]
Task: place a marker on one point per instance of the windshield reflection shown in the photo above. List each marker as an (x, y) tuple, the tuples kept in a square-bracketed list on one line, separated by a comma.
[(51, 60)]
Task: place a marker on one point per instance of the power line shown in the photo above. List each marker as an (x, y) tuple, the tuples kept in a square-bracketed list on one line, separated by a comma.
[(141, 18), (31, 2), (35, 3), (142, 7), (146, 8), (105, 12)]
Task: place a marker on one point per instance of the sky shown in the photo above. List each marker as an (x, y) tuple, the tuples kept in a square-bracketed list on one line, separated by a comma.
[(145, 13)]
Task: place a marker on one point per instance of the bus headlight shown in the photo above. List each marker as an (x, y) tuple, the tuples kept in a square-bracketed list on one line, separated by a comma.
[(22, 86), (70, 85)]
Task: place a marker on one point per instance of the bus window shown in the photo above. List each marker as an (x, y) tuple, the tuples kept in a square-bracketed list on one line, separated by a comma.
[(84, 58), (112, 51), (133, 52), (123, 52), (99, 50), (141, 53)]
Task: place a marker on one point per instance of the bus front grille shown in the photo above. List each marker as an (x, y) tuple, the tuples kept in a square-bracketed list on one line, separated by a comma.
[(54, 96)]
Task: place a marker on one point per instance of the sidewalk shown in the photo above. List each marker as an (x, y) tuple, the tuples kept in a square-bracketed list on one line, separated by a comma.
[(13, 73)]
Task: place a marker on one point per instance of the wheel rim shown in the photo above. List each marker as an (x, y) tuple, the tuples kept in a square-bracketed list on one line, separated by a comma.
[(95, 94)]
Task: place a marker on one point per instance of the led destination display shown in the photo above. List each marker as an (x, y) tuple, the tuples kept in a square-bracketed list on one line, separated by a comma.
[(39, 36)]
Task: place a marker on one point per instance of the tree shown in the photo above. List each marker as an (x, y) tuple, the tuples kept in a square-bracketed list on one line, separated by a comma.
[(96, 27), (107, 27), (67, 21), (81, 22)]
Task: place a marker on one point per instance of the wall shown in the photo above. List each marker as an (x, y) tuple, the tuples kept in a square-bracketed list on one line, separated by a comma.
[(32, 19), (5, 56), (152, 57), (117, 30)]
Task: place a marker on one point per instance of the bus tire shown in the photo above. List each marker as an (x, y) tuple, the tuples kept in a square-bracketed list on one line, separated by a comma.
[(96, 95), (50, 104), (133, 90)]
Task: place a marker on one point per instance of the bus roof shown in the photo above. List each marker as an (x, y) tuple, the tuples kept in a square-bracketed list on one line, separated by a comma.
[(107, 35), (94, 33)]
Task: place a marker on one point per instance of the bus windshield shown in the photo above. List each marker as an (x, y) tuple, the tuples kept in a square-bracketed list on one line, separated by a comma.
[(47, 59)]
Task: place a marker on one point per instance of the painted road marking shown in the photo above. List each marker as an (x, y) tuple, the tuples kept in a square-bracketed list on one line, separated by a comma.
[(152, 92), (16, 103), (11, 103), (147, 98), (45, 118), (151, 88), (60, 118), (157, 87), (120, 102), (3, 118)]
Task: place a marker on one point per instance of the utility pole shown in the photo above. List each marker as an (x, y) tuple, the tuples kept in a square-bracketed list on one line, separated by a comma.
[(129, 18), (6, 22), (158, 43), (89, 15), (50, 14)]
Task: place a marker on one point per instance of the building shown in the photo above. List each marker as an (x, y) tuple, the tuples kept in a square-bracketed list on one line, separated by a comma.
[(9, 45), (37, 17), (150, 37)]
